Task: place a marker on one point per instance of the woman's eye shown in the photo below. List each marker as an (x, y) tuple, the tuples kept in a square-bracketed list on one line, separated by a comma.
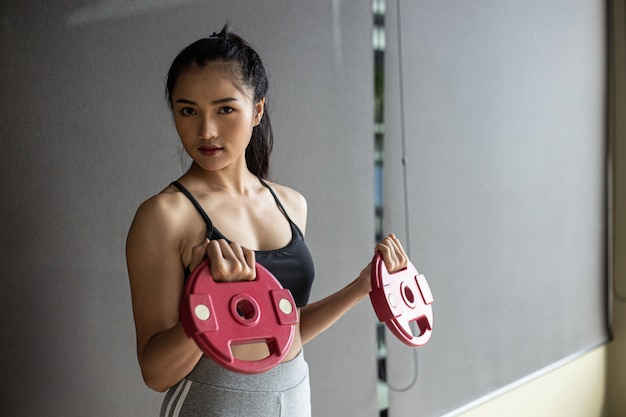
[(187, 111), (226, 110)]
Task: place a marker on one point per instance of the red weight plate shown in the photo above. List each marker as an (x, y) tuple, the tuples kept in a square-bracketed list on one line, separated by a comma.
[(400, 299), (218, 315)]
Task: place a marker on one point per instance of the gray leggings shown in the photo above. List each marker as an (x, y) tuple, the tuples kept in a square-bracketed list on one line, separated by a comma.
[(212, 391)]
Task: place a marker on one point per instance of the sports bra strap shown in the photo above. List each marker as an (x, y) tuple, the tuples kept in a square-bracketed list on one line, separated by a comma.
[(278, 203), (209, 224)]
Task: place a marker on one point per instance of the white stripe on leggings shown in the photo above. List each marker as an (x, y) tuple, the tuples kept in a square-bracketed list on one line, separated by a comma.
[(178, 398)]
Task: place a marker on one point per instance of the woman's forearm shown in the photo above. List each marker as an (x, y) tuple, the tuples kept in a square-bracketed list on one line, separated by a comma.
[(167, 358), (320, 315)]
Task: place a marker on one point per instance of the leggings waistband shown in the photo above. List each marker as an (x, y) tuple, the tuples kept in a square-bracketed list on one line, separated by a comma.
[(283, 376)]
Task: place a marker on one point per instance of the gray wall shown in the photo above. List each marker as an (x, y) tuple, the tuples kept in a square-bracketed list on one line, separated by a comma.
[(504, 117), (86, 137)]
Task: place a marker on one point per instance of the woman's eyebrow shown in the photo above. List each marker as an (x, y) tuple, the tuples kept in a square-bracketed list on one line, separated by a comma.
[(224, 100), (219, 101), (185, 101)]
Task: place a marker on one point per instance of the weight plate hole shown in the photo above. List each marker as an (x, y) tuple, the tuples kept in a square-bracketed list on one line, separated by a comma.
[(408, 294), (245, 309)]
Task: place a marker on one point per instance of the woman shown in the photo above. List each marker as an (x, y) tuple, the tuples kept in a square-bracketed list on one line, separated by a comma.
[(224, 209)]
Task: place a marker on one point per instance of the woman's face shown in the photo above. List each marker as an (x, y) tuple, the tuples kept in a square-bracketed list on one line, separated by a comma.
[(214, 119)]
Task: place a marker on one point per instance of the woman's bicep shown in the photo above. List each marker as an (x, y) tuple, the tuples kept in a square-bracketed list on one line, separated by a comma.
[(155, 272)]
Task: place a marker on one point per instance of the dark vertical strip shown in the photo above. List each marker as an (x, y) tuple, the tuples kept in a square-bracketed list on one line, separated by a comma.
[(407, 227)]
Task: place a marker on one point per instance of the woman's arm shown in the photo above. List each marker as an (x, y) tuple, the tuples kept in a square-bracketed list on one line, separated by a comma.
[(320, 315), (156, 276)]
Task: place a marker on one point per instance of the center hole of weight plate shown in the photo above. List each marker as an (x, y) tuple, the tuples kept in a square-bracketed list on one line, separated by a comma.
[(245, 309), (408, 294)]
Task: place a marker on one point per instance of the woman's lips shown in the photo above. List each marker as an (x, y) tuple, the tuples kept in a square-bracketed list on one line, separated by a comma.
[(210, 150)]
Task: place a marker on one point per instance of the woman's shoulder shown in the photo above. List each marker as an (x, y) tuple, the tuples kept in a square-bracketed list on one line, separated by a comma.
[(166, 203), (294, 202), (288, 196), (166, 212)]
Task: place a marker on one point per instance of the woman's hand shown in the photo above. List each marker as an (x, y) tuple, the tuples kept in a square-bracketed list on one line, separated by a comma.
[(393, 255), (228, 262)]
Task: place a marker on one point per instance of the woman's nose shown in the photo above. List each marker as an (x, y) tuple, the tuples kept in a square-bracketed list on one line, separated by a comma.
[(207, 129)]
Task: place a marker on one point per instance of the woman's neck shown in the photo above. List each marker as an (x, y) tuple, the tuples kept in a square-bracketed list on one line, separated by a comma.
[(238, 181)]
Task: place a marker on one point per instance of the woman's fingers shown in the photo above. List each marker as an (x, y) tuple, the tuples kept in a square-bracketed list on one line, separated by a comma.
[(243, 260), (198, 254), (401, 255), (230, 262), (250, 260), (393, 253)]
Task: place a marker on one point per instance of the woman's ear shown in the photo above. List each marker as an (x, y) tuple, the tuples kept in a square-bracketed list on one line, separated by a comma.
[(258, 111)]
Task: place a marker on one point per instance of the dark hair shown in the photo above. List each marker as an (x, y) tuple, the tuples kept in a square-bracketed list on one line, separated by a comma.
[(246, 70)]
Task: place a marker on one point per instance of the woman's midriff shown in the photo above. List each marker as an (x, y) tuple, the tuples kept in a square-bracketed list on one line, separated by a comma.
[(258, 351)]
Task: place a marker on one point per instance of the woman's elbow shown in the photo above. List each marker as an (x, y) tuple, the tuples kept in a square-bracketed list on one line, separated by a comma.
[(154, 382), (154, 377)]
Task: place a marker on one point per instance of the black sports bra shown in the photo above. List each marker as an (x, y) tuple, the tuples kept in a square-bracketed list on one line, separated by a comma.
[(292, 265)]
